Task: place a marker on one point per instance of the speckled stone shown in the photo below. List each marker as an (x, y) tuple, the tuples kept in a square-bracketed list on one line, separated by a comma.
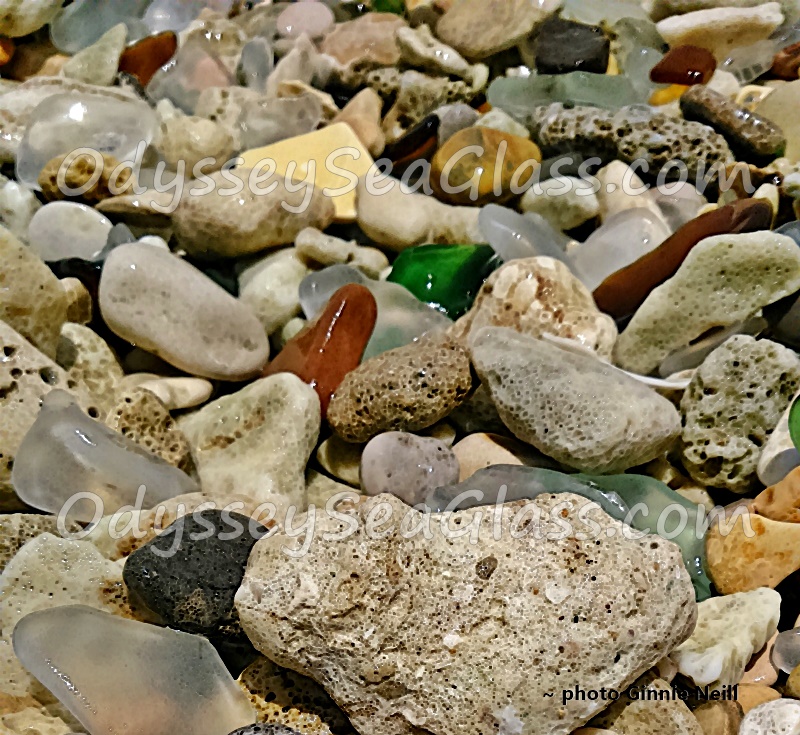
[(535, 296), (192, 581), (32, 300), (218, 225), (16, 529), (732, 404), (719, 718), (80, 172), (418, 602), (405, 389), (191, 139), (406, 466), (578, 410), (139, 415), (781, 502), (751, 138), (564, 46), (21, 17), (162, 304), (779, 717), (366, 41), (481, 28)]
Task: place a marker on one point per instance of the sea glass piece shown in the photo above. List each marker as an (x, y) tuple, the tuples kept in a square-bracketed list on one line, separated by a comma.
[(145, 57), (324, 352), (193, 69), (402, 318), (794, 422), (446, 277), (83, 22), (65, 122), (514, 236), (747, 63), (65, 453), (679, 204), (639, 47), (62, 230), (270, 120), (621, 240), (656, 508), (175, 15), (685, 65), (122, 676), (785, 654), (256, 64), (517, 95)]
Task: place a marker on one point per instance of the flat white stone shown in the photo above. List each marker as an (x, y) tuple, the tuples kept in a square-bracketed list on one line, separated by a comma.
[(61, 230)]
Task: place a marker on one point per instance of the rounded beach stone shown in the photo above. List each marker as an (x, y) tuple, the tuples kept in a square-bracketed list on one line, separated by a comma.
[(732, 404), (166, 306), (21, 17), (179, 393), (478, 451), (81, 173), (217, 224), (779, 717), (719, 718), (313, 18), (407, 466), (364, 42), (405, 389), (189, 574), (564, 46), (457, 165), (781, 502)]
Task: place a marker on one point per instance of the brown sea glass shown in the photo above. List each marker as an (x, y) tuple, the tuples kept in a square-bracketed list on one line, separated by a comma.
[(144, 58), (624, 291), (325, 351), (684, 65), (786, 64)]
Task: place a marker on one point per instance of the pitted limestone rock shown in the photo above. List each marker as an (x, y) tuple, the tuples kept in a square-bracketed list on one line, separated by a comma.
[(724, 280), (779, 717), (257, 442), (732, 405), (578, 410), (535, 296), (32, 300), (405, 389), (90, 362), (422, 602), (730, 629), (16, 529)]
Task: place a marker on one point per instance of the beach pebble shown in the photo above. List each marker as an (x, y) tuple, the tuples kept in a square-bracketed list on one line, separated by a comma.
[(61, 230), (781, 717), (19, 528), (365, 41), (478, 451), (318, 249), (564, 201), (719, 718), (781, 501), (407, 466), (179, 393), (21, 17), (573, 408), (166, 306), (98, 63)]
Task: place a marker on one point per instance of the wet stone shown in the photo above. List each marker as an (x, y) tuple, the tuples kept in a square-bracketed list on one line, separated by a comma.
[(787, 63), (192, 582), (751, 137), (145, 57), (80, 179), (685, 65), (564, 46)]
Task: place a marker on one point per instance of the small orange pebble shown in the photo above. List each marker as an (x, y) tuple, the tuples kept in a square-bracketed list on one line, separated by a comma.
[(665, 96), (7, 48), (484, 108)]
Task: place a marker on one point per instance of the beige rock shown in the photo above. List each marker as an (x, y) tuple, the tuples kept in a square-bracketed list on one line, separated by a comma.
[(341, 459), (535, 296), (18, 205), (257, 442), (412, 605), (222, 225), (191, 139), (781, 502), (649, 717), (421, 49), (565, 202), (270, 288), (399, 220), (31, 721), (98, 63), (90, 363), (365, 41), (480, 28), (162, 304), (75, 177), (478, 451), (26, 376), (289, 331), (32, 301), (293, 88), (729, 631), (760, 669), (79, 301), (16, 529), (502, 121), (724, 280), (752, 696), (317, 249), (617, 182), (138, 414), (321, 488), (151, 209), (722, 29), (363, 114), (21, 17), (284, 697), (719, 718), (179, 393)]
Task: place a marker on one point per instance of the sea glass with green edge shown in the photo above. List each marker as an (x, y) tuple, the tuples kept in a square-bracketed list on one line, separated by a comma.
[(657, 508), (447, 277), (389, 6), (794, 423)]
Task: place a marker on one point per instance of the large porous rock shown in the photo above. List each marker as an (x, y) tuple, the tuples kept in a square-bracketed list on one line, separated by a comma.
[(16, 529), (582, 412), (466, 635), (732, 405)]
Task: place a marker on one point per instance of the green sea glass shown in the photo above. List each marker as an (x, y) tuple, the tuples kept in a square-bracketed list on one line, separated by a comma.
[(447, 277), (389, 6), (517, 95), (794, 423), (655, 508)]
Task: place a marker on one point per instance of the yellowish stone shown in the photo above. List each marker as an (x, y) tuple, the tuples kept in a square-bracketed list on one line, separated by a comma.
[(783, 108), (752, 95), (665, 96), (333, 157), (752, 695)]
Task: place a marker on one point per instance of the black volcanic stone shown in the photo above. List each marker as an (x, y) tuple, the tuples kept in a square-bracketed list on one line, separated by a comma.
[(564, 46), (190, 573), (265, 728)]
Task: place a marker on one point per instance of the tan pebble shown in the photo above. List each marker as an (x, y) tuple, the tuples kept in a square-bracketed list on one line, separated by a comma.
[(79, 171), (363, 114), (79, 301), (760, 669), (719, 718), (792, 686), (321, 488), (16, 529), (405, 389), (192, 139), (151, 209), (365, 41), (752, 695), (179, 393), (341, 459), (478, 451), (781, 502), (317, 249)]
